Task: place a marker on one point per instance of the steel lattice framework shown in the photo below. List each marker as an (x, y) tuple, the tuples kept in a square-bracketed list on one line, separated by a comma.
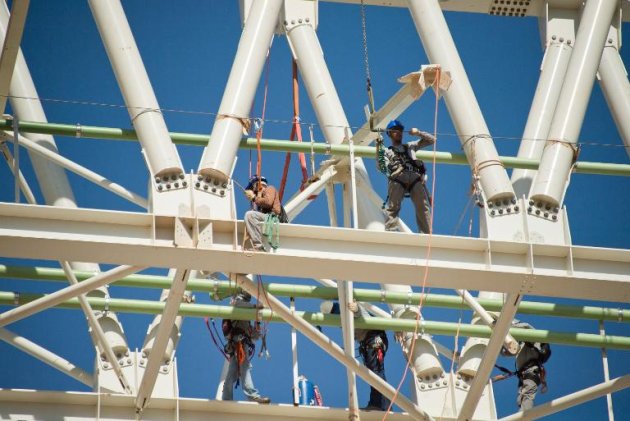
[(189, 223)]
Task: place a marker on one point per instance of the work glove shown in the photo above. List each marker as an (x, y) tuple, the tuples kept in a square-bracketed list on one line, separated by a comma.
[(414, 131), (250, 195), (353, 306)]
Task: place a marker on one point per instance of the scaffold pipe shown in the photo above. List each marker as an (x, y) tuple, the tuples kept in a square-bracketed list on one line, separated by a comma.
[(330, 293), (114, 133), (372, 323)]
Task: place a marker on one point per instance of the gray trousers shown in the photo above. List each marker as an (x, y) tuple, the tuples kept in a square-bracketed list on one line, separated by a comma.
[(396, 193), (527, 388), (254, 222)]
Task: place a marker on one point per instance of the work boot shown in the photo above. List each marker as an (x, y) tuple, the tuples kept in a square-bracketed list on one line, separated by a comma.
[(261, 399), (371, 407)]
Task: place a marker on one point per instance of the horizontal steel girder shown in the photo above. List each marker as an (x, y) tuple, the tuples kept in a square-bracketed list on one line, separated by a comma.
[(44, 232)]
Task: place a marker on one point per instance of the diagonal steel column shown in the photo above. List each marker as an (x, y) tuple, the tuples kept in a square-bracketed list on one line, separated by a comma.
[(613, 79), (553, 71), (162, 337), (549, 185), (460, 99), (62, 295), (47, 357), (490, 355), (218, 156), (11, 47), (332, 348), (142, 105), (573, 399)]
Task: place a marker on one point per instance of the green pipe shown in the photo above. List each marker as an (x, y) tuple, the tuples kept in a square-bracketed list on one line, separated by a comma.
[(112, 133), (305, 291), (435, 328)]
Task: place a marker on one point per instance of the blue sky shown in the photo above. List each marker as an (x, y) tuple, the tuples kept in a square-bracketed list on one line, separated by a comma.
[(188, 47)]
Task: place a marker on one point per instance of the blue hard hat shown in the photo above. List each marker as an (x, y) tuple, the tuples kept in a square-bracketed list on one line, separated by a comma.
[(255, 179), (395, 124)]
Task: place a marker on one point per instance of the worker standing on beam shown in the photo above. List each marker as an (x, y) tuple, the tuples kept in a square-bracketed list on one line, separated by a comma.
[(240, 336), (373, 345), (407, 175)]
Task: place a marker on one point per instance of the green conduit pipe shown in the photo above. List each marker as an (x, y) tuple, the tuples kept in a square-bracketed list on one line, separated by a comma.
[(305, 291), (112, 133), (379, 323)]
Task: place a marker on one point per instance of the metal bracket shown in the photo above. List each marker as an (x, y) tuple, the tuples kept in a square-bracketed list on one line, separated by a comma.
[(502, 207), (213, 186), (170, 182)]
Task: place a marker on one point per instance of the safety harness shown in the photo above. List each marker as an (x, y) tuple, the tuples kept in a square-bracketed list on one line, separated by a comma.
[(374, 340), (399, 163)]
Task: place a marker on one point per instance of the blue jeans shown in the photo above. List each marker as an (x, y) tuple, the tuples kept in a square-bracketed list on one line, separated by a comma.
[(371, 361), (245, 377)]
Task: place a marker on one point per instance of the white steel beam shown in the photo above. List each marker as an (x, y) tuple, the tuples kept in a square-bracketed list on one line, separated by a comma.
[(613, 80), (43, 232), (218, 157), (609, 403), (155, 361), (553, 70), (298, 202), (559, 154), (142, 105), (308, 54), (509, 342), (415, 85), (333, 349), (57, 297), (46, 356), (47, 405), (493, 7), (497, 339), (460, 99), (80, 170), (11, 47), (573, 399)]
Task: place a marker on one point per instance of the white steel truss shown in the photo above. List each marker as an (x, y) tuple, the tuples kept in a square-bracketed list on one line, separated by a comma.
[(187, 230)]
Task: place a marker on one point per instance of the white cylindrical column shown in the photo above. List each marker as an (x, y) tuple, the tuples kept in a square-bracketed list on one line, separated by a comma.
[(553, 70), (319, 85), (136, 89), (218, 157), (460, 99), (613, 80), (555, 165)]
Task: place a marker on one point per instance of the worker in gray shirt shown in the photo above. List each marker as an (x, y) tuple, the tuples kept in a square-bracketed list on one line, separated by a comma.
[(407, 175)]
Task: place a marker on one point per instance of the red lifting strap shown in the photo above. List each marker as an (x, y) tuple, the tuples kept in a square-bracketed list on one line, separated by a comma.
[(296, 130)]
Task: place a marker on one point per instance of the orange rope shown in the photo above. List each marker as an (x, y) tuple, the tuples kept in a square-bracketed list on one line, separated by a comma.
[(428, 255), (296, 130)]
